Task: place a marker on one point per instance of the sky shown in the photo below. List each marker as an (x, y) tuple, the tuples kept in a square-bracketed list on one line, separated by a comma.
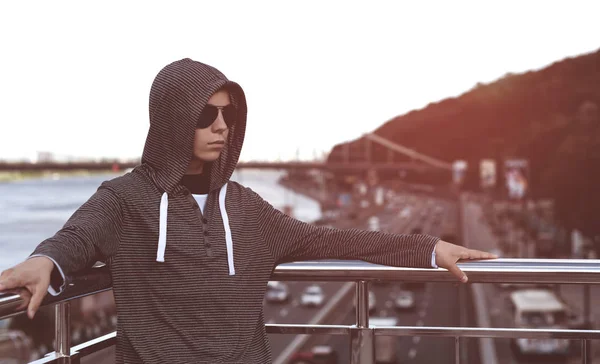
[(75, 76)]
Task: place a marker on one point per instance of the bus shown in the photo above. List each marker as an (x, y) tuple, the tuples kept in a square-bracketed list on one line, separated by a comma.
[(539, 309)]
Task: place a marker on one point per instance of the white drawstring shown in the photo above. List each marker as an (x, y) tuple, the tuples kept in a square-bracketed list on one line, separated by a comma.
[(228, 239), (162, 228)]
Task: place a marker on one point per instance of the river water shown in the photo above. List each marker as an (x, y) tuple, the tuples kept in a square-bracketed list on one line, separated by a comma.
[(33, 210)]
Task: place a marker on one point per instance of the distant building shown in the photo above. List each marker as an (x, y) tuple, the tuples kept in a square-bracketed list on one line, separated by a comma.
[(44, 157)]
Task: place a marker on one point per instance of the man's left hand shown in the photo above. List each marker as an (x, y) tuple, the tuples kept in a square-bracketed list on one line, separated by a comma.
[(447, 254)]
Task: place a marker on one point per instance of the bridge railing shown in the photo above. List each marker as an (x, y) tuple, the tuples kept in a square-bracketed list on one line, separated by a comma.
[(558, 271)]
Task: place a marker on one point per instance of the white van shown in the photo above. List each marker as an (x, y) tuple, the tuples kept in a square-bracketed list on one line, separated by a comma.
[(539, 309)]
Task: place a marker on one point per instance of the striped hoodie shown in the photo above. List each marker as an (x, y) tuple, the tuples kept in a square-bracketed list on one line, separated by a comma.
[(189, 286)]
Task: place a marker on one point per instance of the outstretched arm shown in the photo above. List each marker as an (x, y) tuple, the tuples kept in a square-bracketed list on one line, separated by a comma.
[(293, 240)]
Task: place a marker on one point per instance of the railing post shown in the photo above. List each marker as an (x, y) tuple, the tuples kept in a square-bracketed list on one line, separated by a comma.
[(62, 315), (585, 351), (587, 318), (362, 349), (586, 305), (456, 349)]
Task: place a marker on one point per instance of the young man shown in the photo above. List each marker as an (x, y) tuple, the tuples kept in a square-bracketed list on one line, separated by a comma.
[(190, 252)]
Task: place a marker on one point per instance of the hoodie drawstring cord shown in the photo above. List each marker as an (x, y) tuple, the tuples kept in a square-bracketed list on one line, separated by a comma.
[(162, 227), (228, 238)]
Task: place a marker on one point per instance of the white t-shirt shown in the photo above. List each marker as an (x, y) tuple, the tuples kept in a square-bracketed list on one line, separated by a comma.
[(201, 199)]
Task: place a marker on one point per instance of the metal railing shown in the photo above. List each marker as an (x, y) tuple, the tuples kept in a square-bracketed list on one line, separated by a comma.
[(559, 271)]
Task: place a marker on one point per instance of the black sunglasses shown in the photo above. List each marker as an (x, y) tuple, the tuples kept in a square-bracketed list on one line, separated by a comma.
[(210, 113)]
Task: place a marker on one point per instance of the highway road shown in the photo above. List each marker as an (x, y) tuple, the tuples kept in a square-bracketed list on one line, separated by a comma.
[(496, 297), (437, 304), (294, 313)]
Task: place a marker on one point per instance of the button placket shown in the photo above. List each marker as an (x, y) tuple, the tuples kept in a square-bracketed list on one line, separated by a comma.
[(206, 234), (204, 222)]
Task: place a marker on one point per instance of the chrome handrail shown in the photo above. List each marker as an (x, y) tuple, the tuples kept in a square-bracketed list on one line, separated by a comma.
[(558, 271)]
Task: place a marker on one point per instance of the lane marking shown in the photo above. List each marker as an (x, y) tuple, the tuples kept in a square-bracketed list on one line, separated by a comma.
[(416, 339)]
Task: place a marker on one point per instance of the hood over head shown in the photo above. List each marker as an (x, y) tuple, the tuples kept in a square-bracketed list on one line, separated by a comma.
[(177, 97), (179, 93)]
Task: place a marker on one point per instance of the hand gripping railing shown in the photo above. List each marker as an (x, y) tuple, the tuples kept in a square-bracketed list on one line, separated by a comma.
[(559, 271)]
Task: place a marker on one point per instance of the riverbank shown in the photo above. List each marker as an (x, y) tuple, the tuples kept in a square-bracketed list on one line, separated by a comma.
[(27, 175), (325, 198)]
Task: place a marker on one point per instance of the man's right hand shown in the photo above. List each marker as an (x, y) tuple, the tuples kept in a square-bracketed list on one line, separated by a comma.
[(30, 280)]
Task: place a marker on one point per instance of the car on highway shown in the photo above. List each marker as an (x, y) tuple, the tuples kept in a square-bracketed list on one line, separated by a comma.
[(405, 300), (312, 296), (405, 213), (277, 292), (319, 354), (373, 223)]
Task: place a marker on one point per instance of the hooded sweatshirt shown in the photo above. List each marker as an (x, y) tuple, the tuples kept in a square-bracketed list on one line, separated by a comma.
[(189, 285)]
